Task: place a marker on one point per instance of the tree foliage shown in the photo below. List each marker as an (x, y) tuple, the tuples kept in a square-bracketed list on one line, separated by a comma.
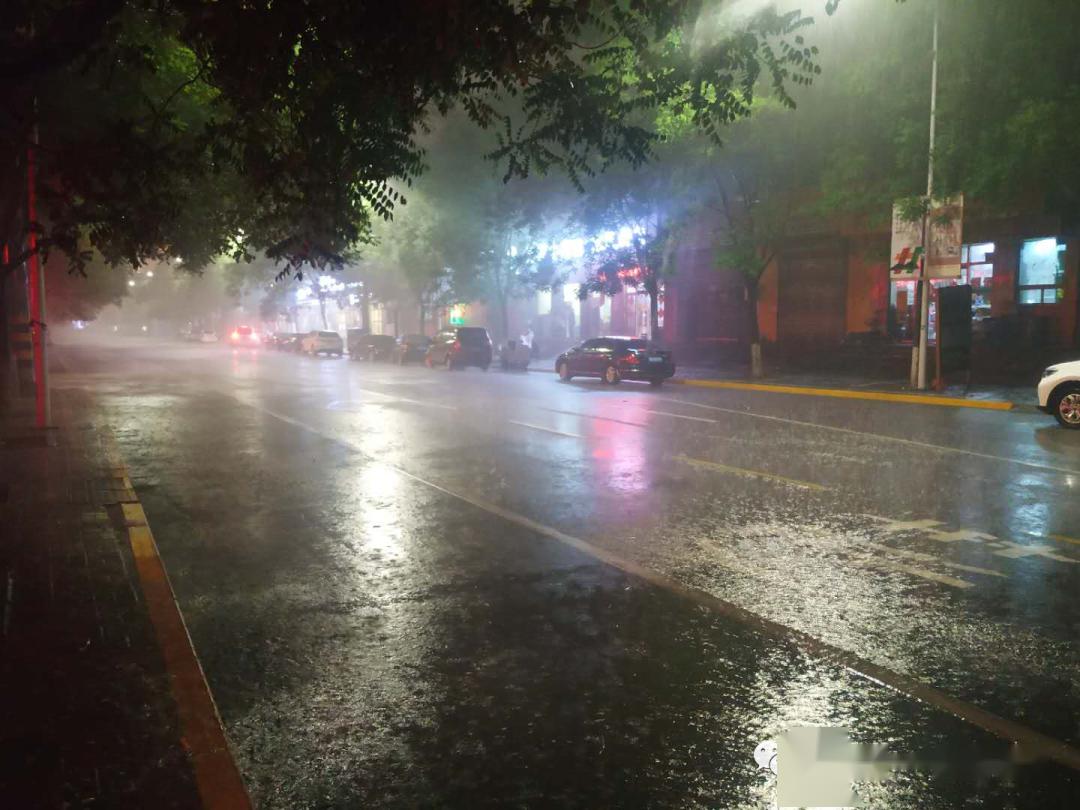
[(195, 128)]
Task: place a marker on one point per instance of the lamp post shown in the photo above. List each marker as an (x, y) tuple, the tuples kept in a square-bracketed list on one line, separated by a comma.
[(918, 365)]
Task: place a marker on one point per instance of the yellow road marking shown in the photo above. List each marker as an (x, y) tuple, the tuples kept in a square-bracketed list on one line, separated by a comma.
[(842, 393), (1061, 538), (217, 777), (747, 473)]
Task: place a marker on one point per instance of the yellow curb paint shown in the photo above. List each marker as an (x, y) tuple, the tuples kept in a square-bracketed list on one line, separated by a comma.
[(217, 777), (841, 393), (1061, 538)]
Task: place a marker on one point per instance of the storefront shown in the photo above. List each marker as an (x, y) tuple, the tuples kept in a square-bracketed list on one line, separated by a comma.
[(1018, 285)]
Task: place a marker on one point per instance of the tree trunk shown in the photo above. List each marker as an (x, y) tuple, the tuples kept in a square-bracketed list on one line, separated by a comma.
[(322, 313), (420, 301), (365, 311), (757, 368), (504, 318), (654, 315)]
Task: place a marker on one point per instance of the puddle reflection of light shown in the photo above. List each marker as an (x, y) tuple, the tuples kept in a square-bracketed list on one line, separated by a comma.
[(379, 490), (620, 452)]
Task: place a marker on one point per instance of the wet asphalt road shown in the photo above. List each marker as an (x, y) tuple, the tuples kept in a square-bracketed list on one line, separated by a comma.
[(427, 588)]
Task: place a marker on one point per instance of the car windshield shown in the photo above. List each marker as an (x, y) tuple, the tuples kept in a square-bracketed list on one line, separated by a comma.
[(686, 435)]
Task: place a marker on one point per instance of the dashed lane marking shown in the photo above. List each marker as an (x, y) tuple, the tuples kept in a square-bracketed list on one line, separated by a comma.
[(545, 429), (1033, 743), (683, 416), (884, 437), (748, 473), (596, 417), (918, 555)]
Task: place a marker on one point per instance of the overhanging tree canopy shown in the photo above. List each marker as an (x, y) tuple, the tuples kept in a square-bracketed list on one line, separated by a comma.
[(193, 128)]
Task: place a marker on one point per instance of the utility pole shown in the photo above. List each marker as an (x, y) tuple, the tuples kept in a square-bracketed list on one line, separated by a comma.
[(36, 284), (925, 288)]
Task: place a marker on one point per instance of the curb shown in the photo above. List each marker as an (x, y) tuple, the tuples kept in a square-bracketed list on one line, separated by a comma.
[(217, 777), (845, 393), (842, 393)]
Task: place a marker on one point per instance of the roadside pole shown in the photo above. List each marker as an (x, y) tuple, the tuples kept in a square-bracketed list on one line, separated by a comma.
[(36, 284), (925, 288)]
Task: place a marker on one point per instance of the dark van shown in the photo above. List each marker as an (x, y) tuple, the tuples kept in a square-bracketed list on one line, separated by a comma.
[(460, 346)]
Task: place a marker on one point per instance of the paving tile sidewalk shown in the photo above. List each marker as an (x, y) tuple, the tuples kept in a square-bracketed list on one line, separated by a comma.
[(87, 718)]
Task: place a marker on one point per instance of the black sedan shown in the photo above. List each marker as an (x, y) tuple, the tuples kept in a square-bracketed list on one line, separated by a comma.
[(614, 359), (411, 349)]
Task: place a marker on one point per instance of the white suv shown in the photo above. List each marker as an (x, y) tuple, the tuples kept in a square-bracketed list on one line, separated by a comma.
[(322, 343), (1059, 393)]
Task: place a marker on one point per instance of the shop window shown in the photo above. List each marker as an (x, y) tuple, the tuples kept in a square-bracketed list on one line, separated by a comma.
[(1042, 272), (976, 269)]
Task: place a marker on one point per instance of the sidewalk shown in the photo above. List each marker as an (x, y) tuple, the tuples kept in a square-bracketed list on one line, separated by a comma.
[(1003, 397), (89, 714)]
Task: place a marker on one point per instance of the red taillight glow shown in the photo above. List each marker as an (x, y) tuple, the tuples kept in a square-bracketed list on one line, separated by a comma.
[(633, 359), (235, 336), (456, 346), (254, 337)]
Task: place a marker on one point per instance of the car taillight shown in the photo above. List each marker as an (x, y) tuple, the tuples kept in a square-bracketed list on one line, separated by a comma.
[(235, 336), (254, 337), (456, 346), (633, 359)]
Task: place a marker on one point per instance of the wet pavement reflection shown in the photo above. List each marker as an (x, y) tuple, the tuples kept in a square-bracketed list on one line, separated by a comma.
[(376, 637)]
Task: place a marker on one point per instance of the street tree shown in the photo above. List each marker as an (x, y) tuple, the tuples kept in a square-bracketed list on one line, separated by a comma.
[(195, 129)]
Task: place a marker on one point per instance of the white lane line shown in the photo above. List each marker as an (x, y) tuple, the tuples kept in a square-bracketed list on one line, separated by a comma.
[(396, 398), (748, 473), (924, 557), (683, 416), (598, 418), (1037, 743), (999, 726), (545, 429), (905, 568), (849, 431)]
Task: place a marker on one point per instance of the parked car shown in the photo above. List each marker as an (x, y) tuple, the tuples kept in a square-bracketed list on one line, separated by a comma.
[(460, 346), (292, 343), (614, 359), (208, 336), (280, 340), (323, 343), (514, 356), (1059, 393), (243, 336), (411, 349), (370, 347)]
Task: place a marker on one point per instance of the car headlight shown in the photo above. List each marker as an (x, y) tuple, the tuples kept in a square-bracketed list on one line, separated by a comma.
[(1049, 371)]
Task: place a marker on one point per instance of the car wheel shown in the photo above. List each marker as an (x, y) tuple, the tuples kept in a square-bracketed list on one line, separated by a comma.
[(612, 376), (656, 382), (1067, 407), (564, 372)]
